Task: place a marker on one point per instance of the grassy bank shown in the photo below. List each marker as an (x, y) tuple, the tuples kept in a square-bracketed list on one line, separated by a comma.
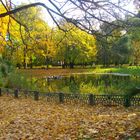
[(133, 70)]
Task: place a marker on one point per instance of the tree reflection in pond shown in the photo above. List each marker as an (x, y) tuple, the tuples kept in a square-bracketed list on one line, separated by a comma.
[(88, 83)]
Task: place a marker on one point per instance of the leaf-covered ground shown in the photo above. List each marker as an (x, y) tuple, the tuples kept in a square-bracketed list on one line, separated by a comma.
[(26, 119), (132, 70), (52, 71)]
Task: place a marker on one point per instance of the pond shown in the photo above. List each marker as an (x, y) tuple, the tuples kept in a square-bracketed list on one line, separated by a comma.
[(87, 83)]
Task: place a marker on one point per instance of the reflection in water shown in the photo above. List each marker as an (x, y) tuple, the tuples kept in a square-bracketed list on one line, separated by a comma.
[(87, 83), (73, 84)]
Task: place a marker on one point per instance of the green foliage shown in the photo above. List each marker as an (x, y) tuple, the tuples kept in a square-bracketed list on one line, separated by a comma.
[(132, 70), (19, 80), (75, 46), (122, 50), (5, 67), (114, 49), (4, 70), (134, 32), (88, 88), (9, 78)]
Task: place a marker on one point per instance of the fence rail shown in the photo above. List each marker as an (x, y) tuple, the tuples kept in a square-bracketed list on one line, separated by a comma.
[(91, 99)]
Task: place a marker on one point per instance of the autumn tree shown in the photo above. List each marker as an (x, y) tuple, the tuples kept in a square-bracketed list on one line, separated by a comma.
[(9, 36), (45, 47), (3, 29), (90, 16), (27, 17), (36, 40), (75, 46)]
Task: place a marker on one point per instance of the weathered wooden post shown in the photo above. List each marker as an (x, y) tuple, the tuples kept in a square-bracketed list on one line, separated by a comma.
[(16, 93), (91, 99), (109, 99), (7, 91), (0, 92), (130, 95), (127, 101), (25, 93), (61, 97), (36, 95)]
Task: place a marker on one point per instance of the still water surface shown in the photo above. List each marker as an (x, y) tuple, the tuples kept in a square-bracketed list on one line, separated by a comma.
[(87, 83)]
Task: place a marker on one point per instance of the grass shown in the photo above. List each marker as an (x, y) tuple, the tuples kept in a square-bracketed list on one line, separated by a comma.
[(133, 70)]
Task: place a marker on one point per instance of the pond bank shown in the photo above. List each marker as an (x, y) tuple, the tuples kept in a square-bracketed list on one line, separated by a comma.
[(117, 74), (127, 71)]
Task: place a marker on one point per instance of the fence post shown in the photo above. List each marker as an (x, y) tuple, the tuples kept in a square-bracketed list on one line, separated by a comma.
[(36, 95), (127, 101), (109, 99), (61, 97), (16, 93), (91, 99), (0, 92), (25, 93), (7, 91)]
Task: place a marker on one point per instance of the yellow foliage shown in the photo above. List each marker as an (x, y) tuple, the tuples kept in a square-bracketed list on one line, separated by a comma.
[(3, 28)]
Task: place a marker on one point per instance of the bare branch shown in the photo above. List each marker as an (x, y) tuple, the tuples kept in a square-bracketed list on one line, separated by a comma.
[(26, 7), (93, 14)]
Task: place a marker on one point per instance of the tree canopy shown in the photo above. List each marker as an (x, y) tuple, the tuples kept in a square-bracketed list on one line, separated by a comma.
[(86, 31)]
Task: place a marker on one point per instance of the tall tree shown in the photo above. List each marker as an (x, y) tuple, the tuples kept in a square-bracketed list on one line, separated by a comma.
[(75, 46), (115, 46), (135, 40), (36, 37)]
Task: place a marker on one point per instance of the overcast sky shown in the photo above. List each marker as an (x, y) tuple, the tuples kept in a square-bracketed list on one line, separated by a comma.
[(46, 15)]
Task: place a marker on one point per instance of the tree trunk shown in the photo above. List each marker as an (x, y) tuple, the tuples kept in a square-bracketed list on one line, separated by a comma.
[(47, 62), (25, 55), (64, 65), (31, 63), (71, 65)]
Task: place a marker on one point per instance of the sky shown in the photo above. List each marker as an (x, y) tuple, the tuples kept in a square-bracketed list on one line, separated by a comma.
[(46, 16)]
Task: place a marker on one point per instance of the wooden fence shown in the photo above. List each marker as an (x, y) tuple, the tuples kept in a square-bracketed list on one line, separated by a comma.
[(91, 99)]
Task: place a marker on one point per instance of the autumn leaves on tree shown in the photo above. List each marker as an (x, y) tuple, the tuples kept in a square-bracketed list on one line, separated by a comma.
[(38, 44), (27, 40)]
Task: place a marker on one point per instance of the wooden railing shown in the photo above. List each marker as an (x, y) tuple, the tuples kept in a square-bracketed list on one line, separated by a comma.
[(90, 99)]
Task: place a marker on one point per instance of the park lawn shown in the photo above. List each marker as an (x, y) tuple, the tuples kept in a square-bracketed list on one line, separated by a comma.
[(133, 70), (26, 119)]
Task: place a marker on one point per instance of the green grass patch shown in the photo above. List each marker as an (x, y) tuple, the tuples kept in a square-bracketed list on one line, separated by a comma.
[(133, 70)]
